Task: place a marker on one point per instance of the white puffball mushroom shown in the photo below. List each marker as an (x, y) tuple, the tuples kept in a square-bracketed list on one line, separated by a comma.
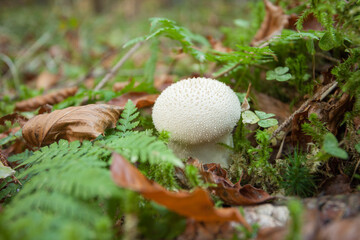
[(199, 113)]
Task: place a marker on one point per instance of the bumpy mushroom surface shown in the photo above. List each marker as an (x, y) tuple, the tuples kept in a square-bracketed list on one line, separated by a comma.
[(199, 113)]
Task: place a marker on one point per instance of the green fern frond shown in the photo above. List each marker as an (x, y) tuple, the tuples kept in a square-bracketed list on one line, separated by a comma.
[(141, 146), (170, 29), (128, 116), (66, 180)]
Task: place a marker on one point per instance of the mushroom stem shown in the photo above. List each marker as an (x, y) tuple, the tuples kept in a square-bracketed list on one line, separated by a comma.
[(207, 152)]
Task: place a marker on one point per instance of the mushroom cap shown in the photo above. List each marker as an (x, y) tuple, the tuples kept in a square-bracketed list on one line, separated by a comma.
[(196, 110)]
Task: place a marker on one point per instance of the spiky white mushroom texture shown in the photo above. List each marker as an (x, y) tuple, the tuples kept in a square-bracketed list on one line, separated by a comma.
[(199, 113)]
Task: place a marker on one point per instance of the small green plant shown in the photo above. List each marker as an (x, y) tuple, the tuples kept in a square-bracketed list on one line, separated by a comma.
[(279, 74), (331, 146), (263, 119), (315, 128), (193, 177), (297, 179), (261, 170), (66, 187)]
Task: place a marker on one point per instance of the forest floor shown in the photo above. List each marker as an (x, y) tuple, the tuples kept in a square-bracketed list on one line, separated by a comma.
[(81, 161)]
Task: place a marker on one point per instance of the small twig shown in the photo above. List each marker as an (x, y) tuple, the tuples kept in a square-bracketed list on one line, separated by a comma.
[(302, 108), (356, 168), (329, 90), (113, 71), (248, 91), (281, 147)]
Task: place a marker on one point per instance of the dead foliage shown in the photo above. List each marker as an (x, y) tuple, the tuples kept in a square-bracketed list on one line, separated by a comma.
[(118, 86), (329, 110), (17, 147), (206, 230), (163, 81), (218, 45), (310, 23), (140, 99), (13, 118), (73, 123), (196, 204), (269, 104), (229, 193), (51, 98), (339, 184), (46, 80), (274, 22)]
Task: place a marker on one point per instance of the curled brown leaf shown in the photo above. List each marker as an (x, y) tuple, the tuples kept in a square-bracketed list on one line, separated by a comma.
[(274, 22), (51, 99), (232, 194), (73, 123), (196, 205)]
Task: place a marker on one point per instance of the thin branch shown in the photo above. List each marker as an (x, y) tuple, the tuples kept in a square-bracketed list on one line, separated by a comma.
[(118, 65), (303, 106)]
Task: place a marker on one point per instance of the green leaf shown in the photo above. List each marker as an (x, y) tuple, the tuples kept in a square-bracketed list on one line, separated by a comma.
[(310, 46), (283, 78), (264, 115), (271, 75), (330, 40), (5, 171), (281, 70), (249, 117), (268, 122), (279, 74), (331, 146), (357, 147), (128, 116), (241, 23), (134, 41)]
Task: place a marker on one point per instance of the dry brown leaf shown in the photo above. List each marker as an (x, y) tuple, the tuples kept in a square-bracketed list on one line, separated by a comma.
[(310, 23), (140, 99), (232, 194), (274, 22), (329, 110), (218, 45), (207, 231), (269, 104), (45, 109), (346, 229), (13, 118), (339, 184), (73, 123), (46, 80), (17, 147), (51, 98), (196, 205), (118, 86), (163, 81)]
